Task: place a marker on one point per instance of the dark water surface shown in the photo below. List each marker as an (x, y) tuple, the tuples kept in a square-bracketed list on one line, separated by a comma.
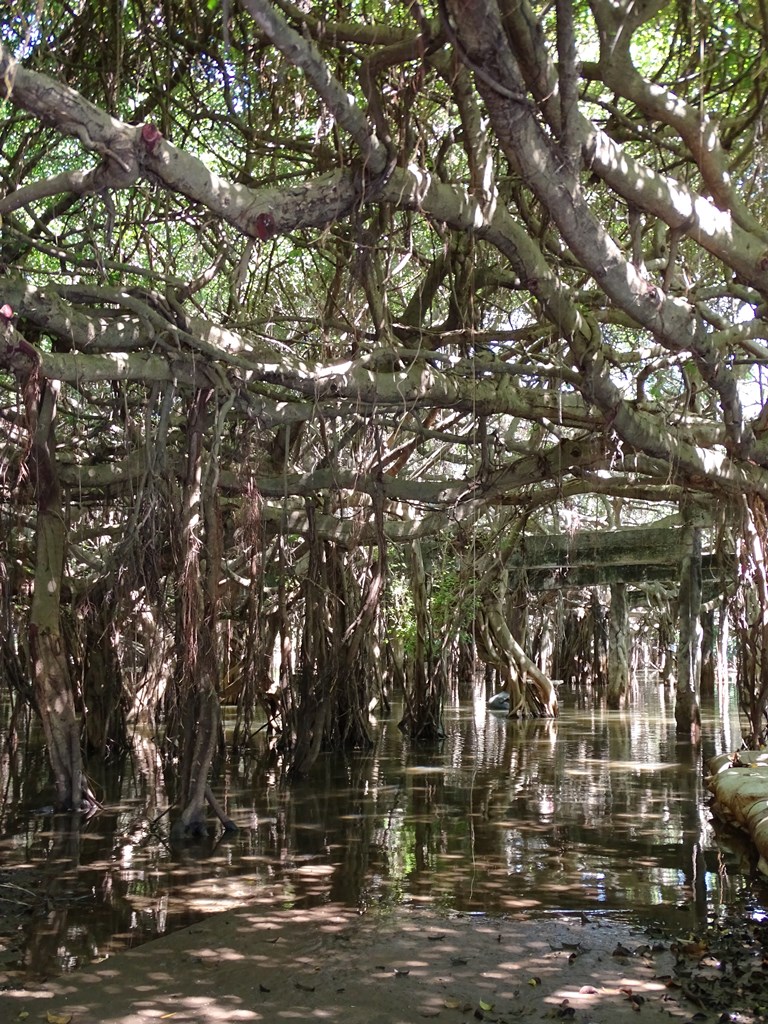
[(597, 812)]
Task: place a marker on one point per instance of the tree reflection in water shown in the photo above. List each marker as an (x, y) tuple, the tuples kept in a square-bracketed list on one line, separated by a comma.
[(595, 812)]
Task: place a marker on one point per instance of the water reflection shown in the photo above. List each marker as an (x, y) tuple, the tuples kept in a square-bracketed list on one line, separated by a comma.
[(597, 812)]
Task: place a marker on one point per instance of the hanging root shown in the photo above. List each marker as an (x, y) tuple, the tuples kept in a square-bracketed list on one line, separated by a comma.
[(229, 825)]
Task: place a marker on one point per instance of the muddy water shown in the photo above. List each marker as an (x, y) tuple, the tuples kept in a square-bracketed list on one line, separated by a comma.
[(596, 813)]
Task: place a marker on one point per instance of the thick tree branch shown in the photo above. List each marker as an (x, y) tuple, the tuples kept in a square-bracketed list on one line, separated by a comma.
[(671, 321), (303, 53)]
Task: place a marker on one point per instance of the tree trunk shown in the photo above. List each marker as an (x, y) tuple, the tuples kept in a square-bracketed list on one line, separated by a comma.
[(750, 609), (668, 644), (423, 693), (687, 713), (531, 692), (708, 653), (317, 669), (618, 646), (497, 659), (52, 683), (599, 661), (197, 670), (723, 642), (104, 699)]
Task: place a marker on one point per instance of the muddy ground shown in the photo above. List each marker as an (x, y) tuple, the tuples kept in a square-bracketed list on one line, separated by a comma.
[(331, 965)]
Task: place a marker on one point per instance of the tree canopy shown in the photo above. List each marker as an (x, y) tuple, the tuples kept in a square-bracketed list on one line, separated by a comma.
[(299, 300)]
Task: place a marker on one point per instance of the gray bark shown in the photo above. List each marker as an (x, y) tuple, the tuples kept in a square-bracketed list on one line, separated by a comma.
[(687, 712), (618, 646), (52, 683)]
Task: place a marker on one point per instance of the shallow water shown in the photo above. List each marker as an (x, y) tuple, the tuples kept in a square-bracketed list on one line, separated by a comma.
[(597, 812)]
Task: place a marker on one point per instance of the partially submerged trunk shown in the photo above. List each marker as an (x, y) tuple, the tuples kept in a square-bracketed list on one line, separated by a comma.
[(50, 668), (708, 653), (104, 699), (531, 691), (338, 680), (750, 612), (618, 646), (423, 693), (197, 712), (582, 656), (687, 712)]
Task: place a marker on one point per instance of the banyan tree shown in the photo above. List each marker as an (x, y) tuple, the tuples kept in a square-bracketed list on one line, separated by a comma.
[(319, 322)]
